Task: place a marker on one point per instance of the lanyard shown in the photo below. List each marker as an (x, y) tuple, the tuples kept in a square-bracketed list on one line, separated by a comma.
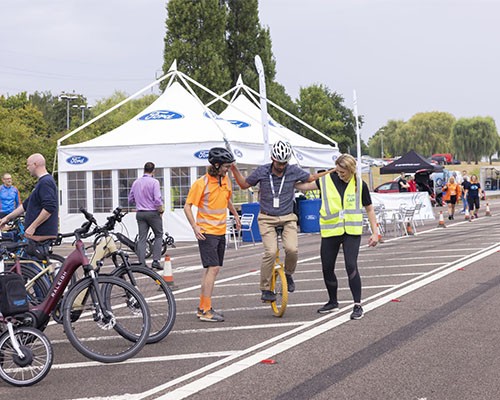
[(272, 185)]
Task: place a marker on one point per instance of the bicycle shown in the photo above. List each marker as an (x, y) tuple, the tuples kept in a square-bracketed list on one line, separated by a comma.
[(26, 354), (162, 306), (279, 283), (96, 305)]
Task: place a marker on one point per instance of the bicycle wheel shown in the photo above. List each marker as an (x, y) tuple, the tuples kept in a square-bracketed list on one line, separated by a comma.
[(97, 330), (39, 289), (280, 287), (159, 297), (36, 363)]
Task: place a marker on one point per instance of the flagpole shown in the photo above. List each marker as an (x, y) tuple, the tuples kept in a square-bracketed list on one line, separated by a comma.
[(263, 105)]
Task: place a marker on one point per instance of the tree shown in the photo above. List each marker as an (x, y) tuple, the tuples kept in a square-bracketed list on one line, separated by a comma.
[(325, 111), (196, 38), (473, 138)]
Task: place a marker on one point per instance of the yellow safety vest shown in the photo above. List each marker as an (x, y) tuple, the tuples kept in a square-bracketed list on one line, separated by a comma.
[(335, 220)]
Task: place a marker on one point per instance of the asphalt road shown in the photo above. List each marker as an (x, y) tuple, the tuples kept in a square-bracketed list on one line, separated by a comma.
[(430, 329)]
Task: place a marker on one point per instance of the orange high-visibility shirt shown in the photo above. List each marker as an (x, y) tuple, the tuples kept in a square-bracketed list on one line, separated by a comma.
[(212, 200)]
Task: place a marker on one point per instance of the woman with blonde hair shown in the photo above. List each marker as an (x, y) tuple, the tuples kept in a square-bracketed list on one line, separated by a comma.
[(451, 194), (341, 223)]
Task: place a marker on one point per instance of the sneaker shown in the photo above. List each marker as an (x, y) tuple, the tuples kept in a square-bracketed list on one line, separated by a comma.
[(156, 265), (476, 216), (328, 308), (449, 217), (357, 312), (267, 295), (291, 283), (211, 316), (462, 212), (199, 312)]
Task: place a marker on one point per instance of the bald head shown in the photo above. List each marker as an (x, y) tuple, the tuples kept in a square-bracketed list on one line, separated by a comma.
[(36, 165)]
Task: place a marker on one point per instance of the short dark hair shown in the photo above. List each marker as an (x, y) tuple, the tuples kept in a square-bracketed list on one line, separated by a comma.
[(149, 167)]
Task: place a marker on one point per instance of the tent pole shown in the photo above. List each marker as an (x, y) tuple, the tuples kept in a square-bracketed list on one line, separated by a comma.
[(297, 119)]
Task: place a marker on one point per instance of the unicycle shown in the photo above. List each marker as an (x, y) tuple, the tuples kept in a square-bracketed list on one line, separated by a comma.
[(25, 355), (279, 284)]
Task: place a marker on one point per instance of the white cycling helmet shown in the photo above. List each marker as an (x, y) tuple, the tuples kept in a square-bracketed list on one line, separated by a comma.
[(281, 152)]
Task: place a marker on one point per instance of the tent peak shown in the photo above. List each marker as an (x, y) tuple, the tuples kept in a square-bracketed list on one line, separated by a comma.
[(239, 82), (173, 66)]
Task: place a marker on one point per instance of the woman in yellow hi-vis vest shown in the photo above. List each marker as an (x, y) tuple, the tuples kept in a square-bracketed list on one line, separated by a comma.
[(341, 223)]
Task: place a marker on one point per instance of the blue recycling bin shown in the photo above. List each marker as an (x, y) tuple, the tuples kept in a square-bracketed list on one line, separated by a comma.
[(309, 215), (252, 208)]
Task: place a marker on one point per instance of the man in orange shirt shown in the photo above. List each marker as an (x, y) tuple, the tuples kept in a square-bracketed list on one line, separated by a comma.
[(211, 194)]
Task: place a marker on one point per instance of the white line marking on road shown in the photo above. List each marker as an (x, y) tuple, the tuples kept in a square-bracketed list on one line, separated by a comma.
[(140, 360)]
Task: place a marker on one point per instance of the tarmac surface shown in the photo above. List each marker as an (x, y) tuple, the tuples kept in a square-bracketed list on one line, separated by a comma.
[(430, 329)]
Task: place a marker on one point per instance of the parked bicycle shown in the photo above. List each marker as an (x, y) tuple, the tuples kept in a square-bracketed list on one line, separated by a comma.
[(158, 295), (105, 318)]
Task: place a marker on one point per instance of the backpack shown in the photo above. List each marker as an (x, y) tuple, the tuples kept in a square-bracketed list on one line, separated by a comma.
[(13, 295)]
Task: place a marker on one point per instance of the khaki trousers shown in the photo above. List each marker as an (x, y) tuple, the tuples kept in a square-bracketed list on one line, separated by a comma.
[(267, 223)]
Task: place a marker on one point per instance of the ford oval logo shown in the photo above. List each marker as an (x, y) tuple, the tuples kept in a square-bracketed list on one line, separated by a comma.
[(238, 124), (299, 156), (275, 124), (237, 153), (334, 157), (77, 160), (202, 154), (160, 115), (310, 217)]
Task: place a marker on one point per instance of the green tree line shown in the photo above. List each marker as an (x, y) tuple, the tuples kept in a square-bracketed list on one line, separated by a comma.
[(468, 139)]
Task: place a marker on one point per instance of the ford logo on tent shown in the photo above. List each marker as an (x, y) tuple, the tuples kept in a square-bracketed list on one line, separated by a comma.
[(238, 124), (77, 160), (238, 153), (202, 154), (160, 115), (299, 156)]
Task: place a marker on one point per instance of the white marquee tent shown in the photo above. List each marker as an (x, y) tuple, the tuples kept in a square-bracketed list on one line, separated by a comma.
[(175, 132)]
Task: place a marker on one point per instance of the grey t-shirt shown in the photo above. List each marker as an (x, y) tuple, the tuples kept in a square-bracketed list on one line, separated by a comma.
[(292, 175)]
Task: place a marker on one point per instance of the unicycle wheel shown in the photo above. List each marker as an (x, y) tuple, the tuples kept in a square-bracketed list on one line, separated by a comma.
[(280, 287)]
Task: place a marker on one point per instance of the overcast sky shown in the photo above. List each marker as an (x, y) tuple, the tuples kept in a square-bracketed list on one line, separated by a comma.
[(401, 56)]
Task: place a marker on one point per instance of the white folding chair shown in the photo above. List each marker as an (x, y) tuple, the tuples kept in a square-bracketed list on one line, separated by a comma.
[(246, 226), (231, 231)]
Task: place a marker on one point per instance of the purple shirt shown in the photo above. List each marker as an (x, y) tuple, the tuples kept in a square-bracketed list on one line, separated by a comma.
[(145, 194)]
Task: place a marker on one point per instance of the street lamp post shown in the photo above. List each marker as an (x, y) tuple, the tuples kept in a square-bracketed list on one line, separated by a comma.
[(68, 98), (381, 143), (83, 107)]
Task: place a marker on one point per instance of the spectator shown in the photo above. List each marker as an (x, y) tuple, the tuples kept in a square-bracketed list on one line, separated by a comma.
[(9, 196), (403, 184), (412, 184)]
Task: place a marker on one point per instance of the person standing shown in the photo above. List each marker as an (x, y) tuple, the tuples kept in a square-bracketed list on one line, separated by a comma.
[(276, 196), (146, 195), (412, 185), (41, 207), (473, 194), (341, 223), (403, 184), (9, 196), (211, 194), (464, 178), (451, 195)]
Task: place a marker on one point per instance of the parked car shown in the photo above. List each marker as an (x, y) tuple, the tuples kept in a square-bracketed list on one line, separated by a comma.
[(388, 187)]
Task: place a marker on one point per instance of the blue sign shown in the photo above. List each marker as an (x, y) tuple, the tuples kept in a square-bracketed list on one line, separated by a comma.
[(212, 115), (77, 160), (238, 153), (299, 156), (275, 124), (160, 115), (202, 154), (334, 157), (238, 124)]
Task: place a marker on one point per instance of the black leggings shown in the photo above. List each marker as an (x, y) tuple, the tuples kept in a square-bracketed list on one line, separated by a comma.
[(473, 201), (329, 250)]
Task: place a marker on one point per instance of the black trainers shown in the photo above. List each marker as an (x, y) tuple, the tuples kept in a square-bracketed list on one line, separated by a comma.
[(267, 295), (156, 265), (211, 316), (328, 308), (291, 283), (357, 312)]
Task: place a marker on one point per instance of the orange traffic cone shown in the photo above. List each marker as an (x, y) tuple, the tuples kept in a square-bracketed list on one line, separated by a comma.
[(167, 272), (488, 212), (467, 214), (441, 220), (380, 240)]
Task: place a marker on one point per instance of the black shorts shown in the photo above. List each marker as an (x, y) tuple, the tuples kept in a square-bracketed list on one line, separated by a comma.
[(453, 200), (212, 250)]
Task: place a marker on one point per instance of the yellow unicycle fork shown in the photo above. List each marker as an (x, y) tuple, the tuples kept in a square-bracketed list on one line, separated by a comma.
[(279, 283)]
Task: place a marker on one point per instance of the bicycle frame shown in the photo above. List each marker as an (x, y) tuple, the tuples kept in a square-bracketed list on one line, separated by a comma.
[(76, 258)]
